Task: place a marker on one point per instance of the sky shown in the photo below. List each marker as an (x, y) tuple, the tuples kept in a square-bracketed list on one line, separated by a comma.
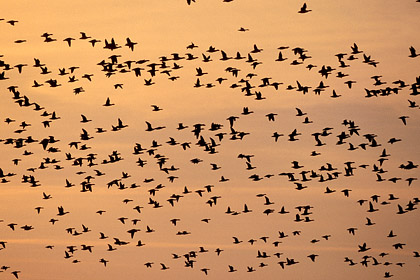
[(212, 182)]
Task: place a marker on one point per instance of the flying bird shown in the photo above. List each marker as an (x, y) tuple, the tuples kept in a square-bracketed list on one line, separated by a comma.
[(304, 9), (413, 53)]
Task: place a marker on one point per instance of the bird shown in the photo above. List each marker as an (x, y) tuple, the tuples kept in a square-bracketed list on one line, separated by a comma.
[(12, 226), (108, 103), (355, 49), (130, 44), (271, 116), (61, 211), (236, 240), (404, 119), (163, 266), (387, 274), (174, 221), (151, 128), (246, 210), (391, 234), (132, 232), (140, 244), (12, 22), (46, 196), (16, 272), (369, 222), (111, 45), (300, 112), (102, 260), (276, 136), (149, 230), (68, 40), (413, 53), (231, 268), (304, 9), (312, 257), (85, 119), (398, 245)]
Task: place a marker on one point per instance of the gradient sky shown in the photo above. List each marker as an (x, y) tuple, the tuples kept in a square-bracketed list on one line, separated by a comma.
[(384, 30)]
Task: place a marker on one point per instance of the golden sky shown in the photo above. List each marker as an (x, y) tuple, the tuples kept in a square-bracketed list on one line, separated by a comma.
[(326, 36)]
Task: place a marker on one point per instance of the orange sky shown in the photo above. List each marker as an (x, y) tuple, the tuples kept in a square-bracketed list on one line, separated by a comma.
[(384, 30)]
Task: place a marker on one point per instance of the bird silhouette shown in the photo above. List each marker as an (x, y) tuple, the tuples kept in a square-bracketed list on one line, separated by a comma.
[(16, 272), (413, 53), (61, 211), (363, 248), (304, 9)]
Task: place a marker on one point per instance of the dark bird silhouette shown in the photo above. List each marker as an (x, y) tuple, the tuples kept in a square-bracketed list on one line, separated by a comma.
[(68, 40), (46, 196), (398, 245), (292, 136), (280, 57), (12, 226), (102, 260), (276, 136), (304, 9), (236, 240), (61, 211), (111, 45), (300, 112), (130, 44), (83, 36), (231, 269), (163, 266), (85, 119), (413, 53), (271, 116), (312, 257), (363, 248), (391, 234), (355, 49), (16, 272), (404, 119)]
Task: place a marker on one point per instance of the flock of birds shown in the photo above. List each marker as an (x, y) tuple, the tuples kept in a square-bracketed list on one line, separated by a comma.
[(55, 153)]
